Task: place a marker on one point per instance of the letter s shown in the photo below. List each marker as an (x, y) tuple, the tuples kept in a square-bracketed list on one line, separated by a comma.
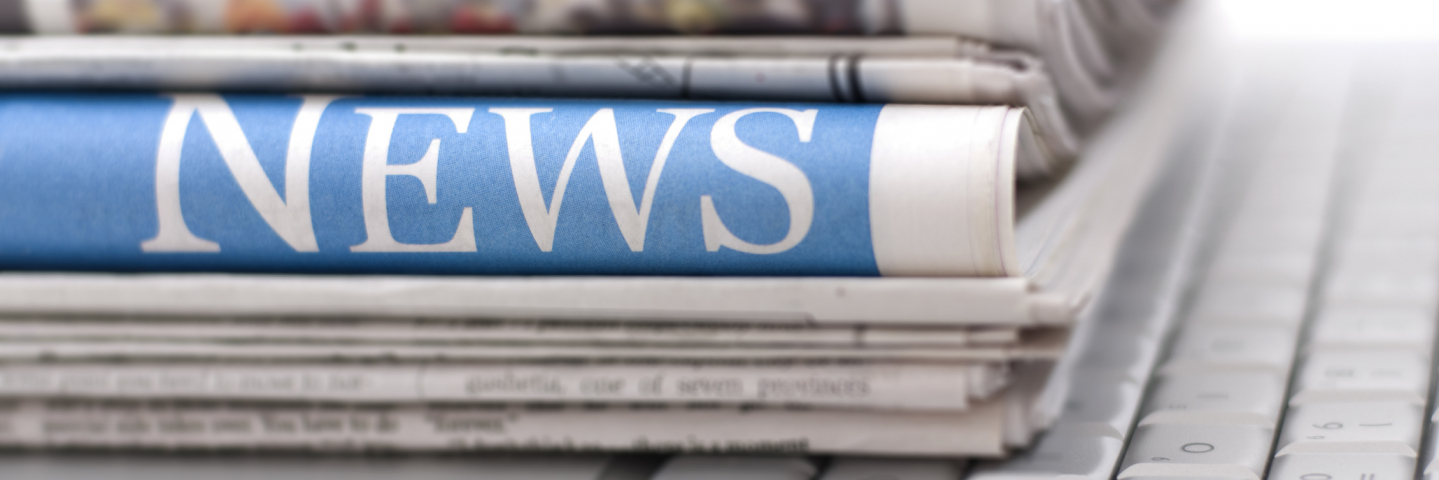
[(765, 167)]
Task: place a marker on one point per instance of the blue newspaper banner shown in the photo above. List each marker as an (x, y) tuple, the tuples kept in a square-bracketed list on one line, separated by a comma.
[(268, 183)]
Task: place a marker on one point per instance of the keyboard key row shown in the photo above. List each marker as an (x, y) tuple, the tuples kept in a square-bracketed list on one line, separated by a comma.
[(1357, 408), (1215, 404)]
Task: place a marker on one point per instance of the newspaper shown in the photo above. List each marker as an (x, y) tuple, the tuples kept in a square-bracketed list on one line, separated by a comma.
[(1060, 31), (1047, 344), (457, 331), (305, 65), (923, 387), (204, 425), (1064, 241)]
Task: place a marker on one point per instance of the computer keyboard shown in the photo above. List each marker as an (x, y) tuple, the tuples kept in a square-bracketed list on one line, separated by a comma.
[(1305, 350)]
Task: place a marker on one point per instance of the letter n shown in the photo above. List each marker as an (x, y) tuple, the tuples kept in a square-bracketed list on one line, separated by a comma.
[(288, 217)]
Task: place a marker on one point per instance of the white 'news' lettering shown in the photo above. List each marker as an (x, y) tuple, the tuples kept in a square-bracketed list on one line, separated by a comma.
[(774, 171), (376, 169), (602, 131), (288, 217)]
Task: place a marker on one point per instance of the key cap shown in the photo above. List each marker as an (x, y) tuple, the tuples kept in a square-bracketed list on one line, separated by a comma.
[(1102, 397), (860, 468), (1257, 392), (1061, 451), (1393, 226), (1353, 422), (1387, 326), (1130, 353), (1180, 474), (730, 467), (1362, 370), (1381, 288), (1289, 268), (1293, 233), (1342, 466), (1227, 344), (1249, 302), (631, 467), (1388, 255), (1188, 471), (1245, 446)]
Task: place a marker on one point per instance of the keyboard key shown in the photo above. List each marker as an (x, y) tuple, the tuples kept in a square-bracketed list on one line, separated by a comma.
[(860, 468), (1342, 466), (1101, 397), (1062, 451), (730, 467), (1257, 392), (1131, 352), (1245, 446), (631, 467), (1300, 232), (1226, 344), (1291, 268), (1382, 288), (1250, 302), (1186, 476), (1384, 326), (1362, 370), (1353, 422), (1158, 471), (1388, 255)]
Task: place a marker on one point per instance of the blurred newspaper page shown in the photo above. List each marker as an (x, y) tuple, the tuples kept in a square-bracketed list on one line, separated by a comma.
[(1062, 32), (522, 66)]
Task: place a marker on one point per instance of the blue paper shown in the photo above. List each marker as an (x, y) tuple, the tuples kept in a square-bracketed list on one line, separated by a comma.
[(78, 187)]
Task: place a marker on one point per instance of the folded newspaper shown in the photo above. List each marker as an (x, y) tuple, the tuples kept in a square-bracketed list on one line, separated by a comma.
[(982, 222), (218, 360), (357, 242)]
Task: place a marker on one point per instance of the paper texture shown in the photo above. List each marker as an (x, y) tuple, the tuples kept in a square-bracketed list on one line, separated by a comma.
[(437, 428), (792, 301), (1044, 345), (861, 386), (453, 331)]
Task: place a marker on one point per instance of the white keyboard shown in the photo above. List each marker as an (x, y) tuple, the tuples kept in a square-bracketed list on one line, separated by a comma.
[(1305, 349)]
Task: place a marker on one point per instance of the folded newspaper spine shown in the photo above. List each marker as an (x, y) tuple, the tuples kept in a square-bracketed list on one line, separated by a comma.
[(856, 386), (472, 185), (308, 65), (210, 425)]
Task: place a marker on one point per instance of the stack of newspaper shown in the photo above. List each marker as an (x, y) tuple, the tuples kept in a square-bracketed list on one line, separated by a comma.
[(867, 234)]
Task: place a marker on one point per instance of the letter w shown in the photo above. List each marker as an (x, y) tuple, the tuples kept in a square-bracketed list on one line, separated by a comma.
[(288, 217), (602, 131)]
